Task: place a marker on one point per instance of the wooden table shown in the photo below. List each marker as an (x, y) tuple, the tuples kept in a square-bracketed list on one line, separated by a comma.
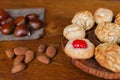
[(58, 15)]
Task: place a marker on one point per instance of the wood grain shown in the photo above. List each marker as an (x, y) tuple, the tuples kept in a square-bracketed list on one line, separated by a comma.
[(58, 15)]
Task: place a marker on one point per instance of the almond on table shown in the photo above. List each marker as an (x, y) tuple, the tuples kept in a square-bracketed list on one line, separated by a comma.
[(18, 68), (9, 53), (42, 48), (43, 59), (29, 56), (18, 59), (20, 50), (51, 51)]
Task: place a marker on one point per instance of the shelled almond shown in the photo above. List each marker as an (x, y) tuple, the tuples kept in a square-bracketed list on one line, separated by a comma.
[(44, 59), (23, 55), (42, 48), (18, 59), (20, 50), (51, 51), (18, 68), (9, 53), (29, 55)]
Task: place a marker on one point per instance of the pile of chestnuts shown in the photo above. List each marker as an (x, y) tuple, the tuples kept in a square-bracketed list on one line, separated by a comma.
[(20, 26)]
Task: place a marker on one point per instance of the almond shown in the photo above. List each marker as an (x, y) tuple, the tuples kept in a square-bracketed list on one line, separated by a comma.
[(43, 59), (29, 55), (42, 48), (20, 50), (18, 68), (18, 59), (51, 51), (9, 53)]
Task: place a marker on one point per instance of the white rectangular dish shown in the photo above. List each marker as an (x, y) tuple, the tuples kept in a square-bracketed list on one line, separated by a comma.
[(22, 12)]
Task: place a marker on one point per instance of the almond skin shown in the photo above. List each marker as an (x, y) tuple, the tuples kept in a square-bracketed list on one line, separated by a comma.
[(43, 59), (42, 48), (9, 53), (18, 59), (51, 51), (20, 50), (18, 68), (29, 56)]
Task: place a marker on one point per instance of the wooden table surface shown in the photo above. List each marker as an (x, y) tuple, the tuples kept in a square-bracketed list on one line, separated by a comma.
[(58, 15)]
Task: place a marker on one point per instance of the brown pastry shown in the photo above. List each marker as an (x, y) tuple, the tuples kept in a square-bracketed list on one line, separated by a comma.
[(103, 15), (108, 32), (85, 19), (117, 19), (79, 49), (74, 31), (108, 56)]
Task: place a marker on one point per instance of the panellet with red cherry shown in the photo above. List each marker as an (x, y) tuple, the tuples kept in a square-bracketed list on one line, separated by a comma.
[(79, 49)]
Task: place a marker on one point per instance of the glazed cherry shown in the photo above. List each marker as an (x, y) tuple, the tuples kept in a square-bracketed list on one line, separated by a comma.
[(79, 44)]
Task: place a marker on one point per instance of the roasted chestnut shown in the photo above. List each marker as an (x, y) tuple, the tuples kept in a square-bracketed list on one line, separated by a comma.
[(2, 13), (7, 28), (2, 22), (6, 20), (31, 16), (35, 24), (0, 30), (21, 31), (20, 21), (5, 17)]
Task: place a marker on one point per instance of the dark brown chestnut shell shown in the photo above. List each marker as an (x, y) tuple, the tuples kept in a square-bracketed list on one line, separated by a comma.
[(31, 16), (20, 20), (6, 19), (35, 24), (7, 28), (21, 31)]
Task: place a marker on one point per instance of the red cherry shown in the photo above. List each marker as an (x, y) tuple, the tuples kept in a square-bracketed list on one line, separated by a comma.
[(79, 44)]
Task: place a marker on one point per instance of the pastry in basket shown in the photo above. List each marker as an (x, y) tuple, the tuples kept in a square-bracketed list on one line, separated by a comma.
[(108, 56), (117, 19), (85, 19), (103, 15), (73, 31), (79, 48), (108, 32)]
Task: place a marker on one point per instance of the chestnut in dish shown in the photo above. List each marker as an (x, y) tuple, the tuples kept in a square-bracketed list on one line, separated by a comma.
[(35, 24), (5, 20), (3, 13), (5, 17), (21, 31), (7, 28), (2, 22), (21, 25), (31, 16), (20, 21)]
